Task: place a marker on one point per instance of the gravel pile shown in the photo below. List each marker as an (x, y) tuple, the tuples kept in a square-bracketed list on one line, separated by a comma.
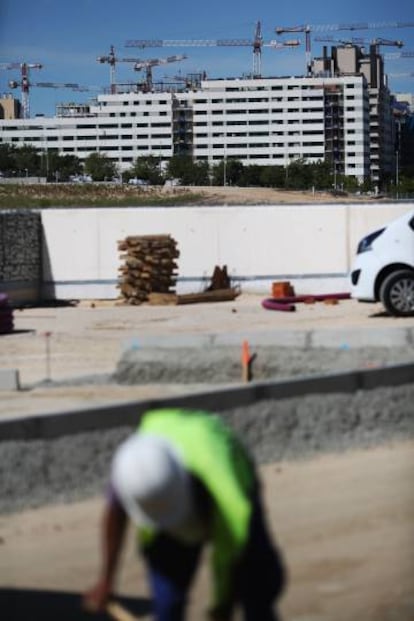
[(69, 468), (222, 364)]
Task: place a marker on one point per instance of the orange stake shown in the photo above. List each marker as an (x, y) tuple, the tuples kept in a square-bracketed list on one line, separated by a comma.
[(246, 359), (245, 353)]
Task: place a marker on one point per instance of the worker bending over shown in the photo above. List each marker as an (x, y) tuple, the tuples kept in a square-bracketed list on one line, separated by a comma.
[(186, 481)]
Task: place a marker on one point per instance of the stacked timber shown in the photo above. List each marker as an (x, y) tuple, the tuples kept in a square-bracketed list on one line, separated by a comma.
[(148, 266)]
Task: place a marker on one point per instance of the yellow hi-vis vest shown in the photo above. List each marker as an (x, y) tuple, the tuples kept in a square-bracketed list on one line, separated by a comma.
[(212, 453)]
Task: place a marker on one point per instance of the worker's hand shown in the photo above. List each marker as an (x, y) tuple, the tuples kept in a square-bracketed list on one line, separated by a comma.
[(96, 599)]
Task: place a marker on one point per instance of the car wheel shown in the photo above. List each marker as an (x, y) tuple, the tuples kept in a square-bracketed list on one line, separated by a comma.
[(397, 293)]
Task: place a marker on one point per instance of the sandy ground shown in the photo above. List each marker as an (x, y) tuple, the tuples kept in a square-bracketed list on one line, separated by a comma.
[(268, 196), (343, 521), (91, 338)]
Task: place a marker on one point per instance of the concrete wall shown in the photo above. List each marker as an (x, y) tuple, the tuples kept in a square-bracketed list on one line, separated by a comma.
[(311, 245)]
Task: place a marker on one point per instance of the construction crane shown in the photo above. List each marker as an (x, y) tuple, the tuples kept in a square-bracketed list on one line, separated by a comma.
[(350, 41), (256, 43), (112, 60), (410, 74), (149, 63), (24, 81), (392, 55), (26, 85), (308, 28), (190, 80), (361, 42)]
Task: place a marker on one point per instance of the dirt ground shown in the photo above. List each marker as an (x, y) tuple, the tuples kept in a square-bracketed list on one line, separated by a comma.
[(91, 337), (343, 521), (268, 196)]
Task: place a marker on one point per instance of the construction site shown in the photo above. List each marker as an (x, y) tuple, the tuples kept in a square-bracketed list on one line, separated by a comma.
[(106, 313), (326, 409), (341, 110)]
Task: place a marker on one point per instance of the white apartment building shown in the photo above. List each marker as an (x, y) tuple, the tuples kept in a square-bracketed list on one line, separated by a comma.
[(272, 121), (352, 59), (262, 121)]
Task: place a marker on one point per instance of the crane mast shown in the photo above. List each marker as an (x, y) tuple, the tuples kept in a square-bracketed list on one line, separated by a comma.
[(24, 82), (148, 64), (112, 60)]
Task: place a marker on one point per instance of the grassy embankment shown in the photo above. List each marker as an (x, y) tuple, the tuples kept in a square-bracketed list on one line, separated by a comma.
[(91, 195)]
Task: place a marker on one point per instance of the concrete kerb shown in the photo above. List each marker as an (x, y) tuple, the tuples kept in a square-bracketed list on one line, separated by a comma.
[(118, 414), (340, 338), (9, 379)]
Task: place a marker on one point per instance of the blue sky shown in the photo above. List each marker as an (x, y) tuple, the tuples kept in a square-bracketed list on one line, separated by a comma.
[(67, 37)]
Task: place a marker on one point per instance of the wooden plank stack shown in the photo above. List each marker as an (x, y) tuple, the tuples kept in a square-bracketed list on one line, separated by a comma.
[(148, 266)]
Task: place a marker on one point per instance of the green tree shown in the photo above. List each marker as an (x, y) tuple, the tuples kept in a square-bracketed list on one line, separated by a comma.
[(180, 167), (28, 161), (322, 175), (7, 159), (201, 173), (148, 169), (59, 167), (299, 175), (273, 176), (100, 167), (406, 185), (350, 183), (183, 168), (251, 176), (228, 172)]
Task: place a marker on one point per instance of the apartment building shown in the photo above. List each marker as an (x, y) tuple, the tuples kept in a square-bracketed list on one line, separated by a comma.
[(262, 121), (351, 59), (10, 108)]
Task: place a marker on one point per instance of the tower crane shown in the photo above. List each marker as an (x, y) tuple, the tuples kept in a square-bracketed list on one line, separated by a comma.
[(26, 85), (24, 81), (149, 63), (358, 41), (256, 43), (112, 60), (392, 55), (190, 80), (350, 41), (376, 42), (308, 28), (305, 29), (410, 74)]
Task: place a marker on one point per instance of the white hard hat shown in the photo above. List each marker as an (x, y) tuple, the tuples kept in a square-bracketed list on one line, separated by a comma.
[(151, 482)]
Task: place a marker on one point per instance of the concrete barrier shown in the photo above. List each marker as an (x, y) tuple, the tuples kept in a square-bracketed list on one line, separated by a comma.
[(311, 245), (127, 414), (9, 379)]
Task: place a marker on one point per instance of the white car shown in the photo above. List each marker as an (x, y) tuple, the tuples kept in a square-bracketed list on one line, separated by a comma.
[(383, 270)]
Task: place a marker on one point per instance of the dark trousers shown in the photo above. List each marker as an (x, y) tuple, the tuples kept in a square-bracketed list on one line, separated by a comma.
[(260, 577)]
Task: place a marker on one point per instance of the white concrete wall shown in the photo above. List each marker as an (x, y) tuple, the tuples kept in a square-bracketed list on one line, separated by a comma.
[(311, 245)]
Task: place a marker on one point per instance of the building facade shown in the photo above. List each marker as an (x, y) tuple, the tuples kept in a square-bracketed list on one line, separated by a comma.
[(10, 108), (351, 59), (260, 121)]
